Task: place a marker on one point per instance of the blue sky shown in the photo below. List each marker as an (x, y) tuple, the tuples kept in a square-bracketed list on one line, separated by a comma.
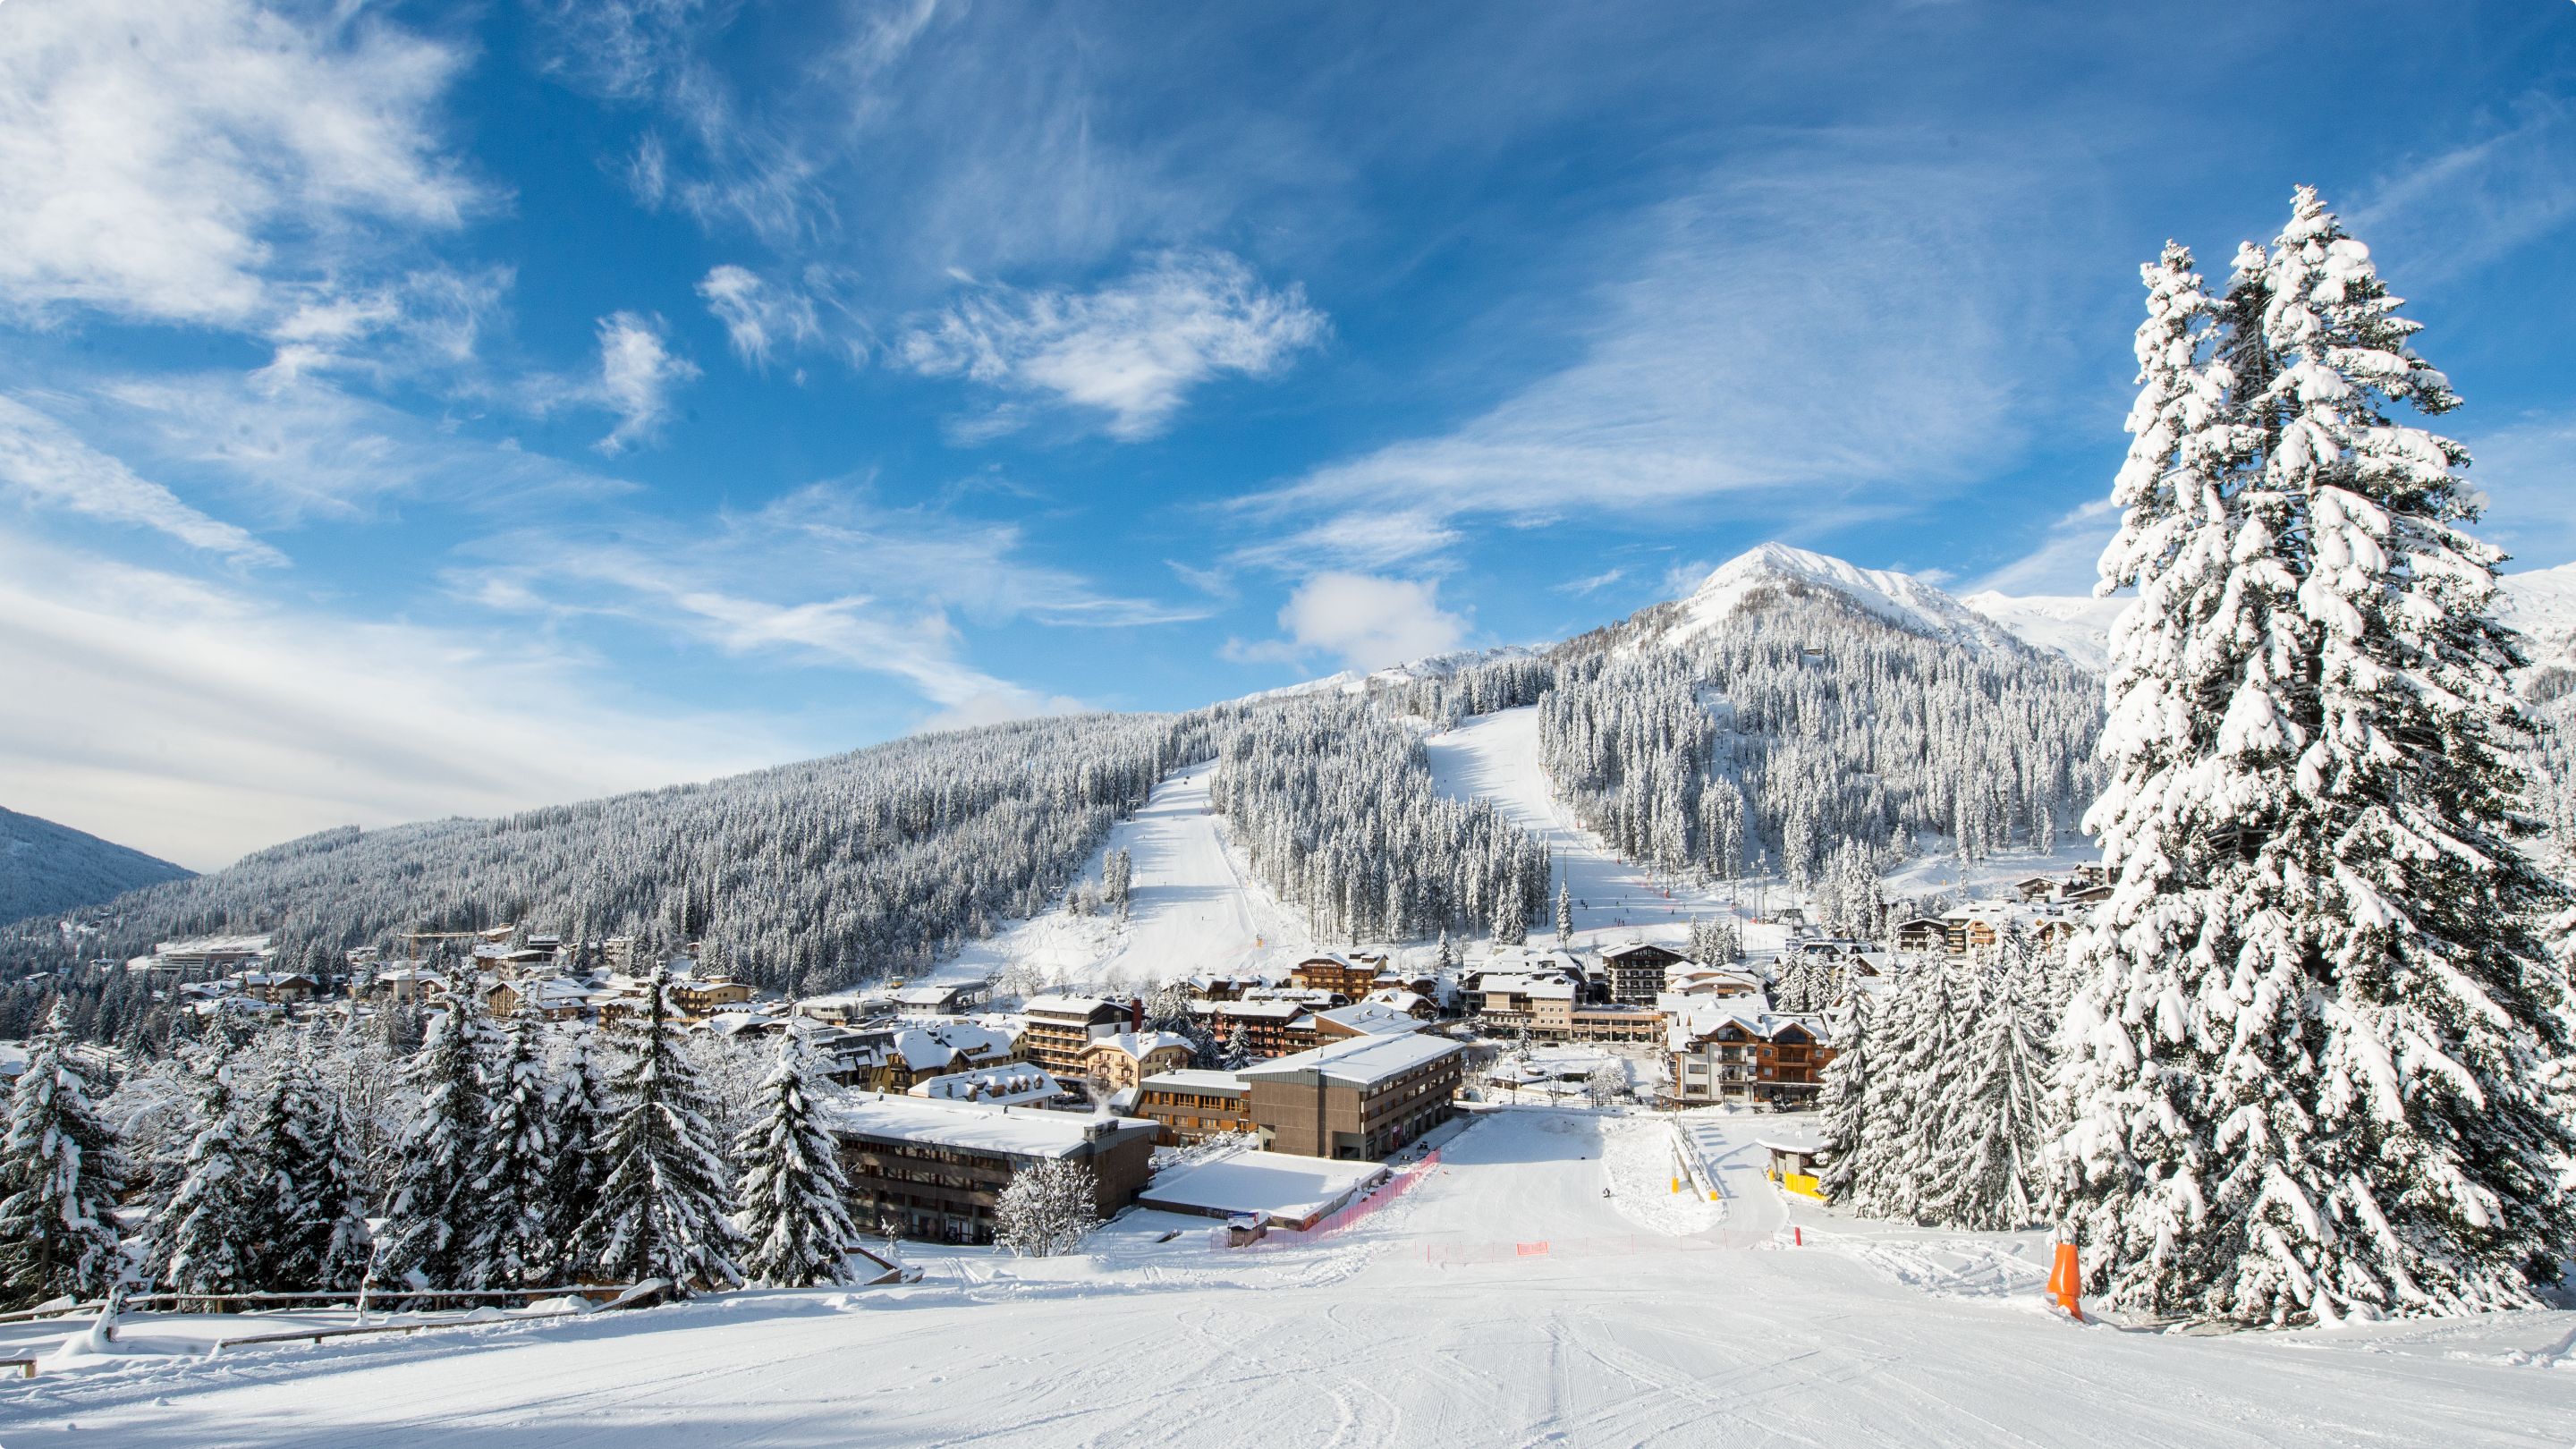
[(415, 410)]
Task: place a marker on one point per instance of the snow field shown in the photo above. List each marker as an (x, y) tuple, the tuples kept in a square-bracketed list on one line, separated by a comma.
[(1193, 909), (1643, 1337)]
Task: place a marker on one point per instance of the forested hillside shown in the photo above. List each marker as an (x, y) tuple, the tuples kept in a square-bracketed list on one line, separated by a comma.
[(802, 877), (48, 867)]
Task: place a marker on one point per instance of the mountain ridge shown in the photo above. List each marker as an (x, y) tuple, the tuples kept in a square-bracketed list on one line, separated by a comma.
[(47, 867)]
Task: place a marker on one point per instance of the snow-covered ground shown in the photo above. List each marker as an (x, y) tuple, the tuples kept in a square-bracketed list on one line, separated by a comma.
[(1495, 757), (1505, 1301), (1193, 909), (2075, 625)]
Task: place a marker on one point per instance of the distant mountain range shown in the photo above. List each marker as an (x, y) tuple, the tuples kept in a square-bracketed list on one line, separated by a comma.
[(46, 867)]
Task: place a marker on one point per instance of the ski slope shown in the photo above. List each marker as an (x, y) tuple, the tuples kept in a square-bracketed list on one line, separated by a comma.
[(1495, 757), (1505, 1302), (1193, 908)]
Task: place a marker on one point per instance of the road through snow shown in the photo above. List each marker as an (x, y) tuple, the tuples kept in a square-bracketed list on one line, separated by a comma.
[(1506, 1301)]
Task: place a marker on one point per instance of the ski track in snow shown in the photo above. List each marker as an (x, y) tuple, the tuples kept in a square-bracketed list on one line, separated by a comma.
[(1440, 1321), (1193, 907)]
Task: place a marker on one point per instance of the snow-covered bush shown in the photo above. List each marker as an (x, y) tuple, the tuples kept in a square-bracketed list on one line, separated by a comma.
[(1047, 1209)]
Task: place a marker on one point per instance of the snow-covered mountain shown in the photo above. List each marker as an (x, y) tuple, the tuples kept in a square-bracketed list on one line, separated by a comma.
[(1772, 568), (46, 867), (2542, 604), (2075, 625)]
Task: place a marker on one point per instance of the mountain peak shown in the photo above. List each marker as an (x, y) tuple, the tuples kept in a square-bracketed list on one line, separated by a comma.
[(1899, 598)]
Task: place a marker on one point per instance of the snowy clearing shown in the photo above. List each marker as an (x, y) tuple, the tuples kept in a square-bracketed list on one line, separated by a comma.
[(1193, 908), (1507, 1301)]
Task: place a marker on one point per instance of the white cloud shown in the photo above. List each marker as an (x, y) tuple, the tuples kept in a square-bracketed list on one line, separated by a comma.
[(777, 581), (1131, 350), (44, 463), (170, 162), (2448, 213), (214, 721), (2527, 470), (1840, 318), (1366, 621), (2065, 562), (298, 446), (756, 315), (1585, 588), (636, 376)]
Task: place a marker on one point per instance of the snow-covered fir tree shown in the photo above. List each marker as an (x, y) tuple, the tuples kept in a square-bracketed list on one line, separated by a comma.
[(436, 1212), (60, 1175), (1510, 928), (2304, 1055), (665, 1189), (208, 1243), (1049, 1208), (1844, 1102), (333, 1246), (517, 1212), (1996, 1122), (577, 1125), (1564, 915), (793, 1209)]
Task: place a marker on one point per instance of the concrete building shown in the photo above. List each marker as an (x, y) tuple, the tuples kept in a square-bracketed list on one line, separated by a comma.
[(1361, 1098), (930, 1169)]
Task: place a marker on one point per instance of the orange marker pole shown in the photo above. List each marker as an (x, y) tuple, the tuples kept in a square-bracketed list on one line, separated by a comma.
[(2066, 1281)]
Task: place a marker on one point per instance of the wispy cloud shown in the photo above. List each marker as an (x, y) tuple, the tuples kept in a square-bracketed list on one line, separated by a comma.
[(174, 163), (215, 719), (299, 446), (1130, 351), (2065, 561), (1841, 316), (637, 373), (777, 581), (1585, 588), (45, 464), (2448, 213), (757, 316)]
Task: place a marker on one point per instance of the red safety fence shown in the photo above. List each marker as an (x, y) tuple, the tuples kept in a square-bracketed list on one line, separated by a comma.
[(1378, 1199)]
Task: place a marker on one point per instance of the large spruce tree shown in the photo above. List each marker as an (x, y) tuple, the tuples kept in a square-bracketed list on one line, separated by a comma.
[(2303, 1056), (60, 1174), (794, 1214), (661, 1211)]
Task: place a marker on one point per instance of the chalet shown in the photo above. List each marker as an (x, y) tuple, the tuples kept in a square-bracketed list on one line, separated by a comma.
[(934, 1169), (278, 988), (846, 1008), (1966, 931), (1195, 1105), (2035, 889), (1706, 982), (698, 996), (1416, 1004), (1923, 933), (1222, 988), (1730, 1055), (2085, 895), (1060, 1029), (1637, 971), (1269, 1028), (406, 984), (896, 1058), (1549, 1010), (1361, 1098), (1121, 1061), (1348, 977)]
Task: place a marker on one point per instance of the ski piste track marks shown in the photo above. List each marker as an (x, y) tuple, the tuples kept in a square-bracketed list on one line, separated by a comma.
[(1356, 1340)]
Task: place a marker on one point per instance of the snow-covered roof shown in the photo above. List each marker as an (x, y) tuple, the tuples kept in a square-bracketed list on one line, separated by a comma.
[(1370, 1018), (1513, 984), (1274, 1184), (1194, 1079), (1360, 1061), (213, 946), (1709, 1016), (1142, 1044), (1011, 1084), (1273, 1010), (1082, 1006), (927, 995), (972, 1126)]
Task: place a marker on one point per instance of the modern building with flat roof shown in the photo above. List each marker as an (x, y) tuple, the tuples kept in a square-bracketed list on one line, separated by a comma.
[(933, 1169), (1361, 1098)]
